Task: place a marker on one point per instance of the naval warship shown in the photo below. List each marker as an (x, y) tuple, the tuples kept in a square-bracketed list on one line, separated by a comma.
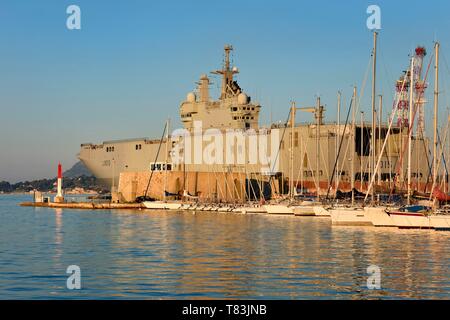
[(316, 155)]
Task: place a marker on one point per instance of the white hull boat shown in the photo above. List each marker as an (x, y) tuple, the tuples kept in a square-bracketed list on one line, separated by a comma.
[(304, 210), (161, 205), (440, 222), (349, 217), (225, 209), (252, 210), (379, 217), (278, 209), (320, 211), (411, 221), (412, 217)]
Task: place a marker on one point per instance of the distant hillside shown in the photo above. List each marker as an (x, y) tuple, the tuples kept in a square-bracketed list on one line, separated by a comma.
[(76, 177), (48, 185), (78, 170)]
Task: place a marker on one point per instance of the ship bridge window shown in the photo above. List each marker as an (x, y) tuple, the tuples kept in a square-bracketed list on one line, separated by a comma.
[(138, 146), (109, 149), (234, 109)]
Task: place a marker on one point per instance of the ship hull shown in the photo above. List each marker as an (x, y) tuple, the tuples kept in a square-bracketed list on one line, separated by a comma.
[(379, 217)]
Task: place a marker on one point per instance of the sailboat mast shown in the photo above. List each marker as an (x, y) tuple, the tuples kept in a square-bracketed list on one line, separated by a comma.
[(353, 144), (361, 158), (410, 122), (436, 104), (318, 114), (374, 77), (291, 165), (338, 139), (165, 165), (380, 124)]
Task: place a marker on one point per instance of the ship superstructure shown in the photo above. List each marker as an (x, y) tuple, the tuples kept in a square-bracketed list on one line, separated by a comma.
[(233, 109)]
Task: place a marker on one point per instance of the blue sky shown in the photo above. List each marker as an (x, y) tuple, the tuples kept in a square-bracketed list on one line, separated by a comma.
[(133, 62)]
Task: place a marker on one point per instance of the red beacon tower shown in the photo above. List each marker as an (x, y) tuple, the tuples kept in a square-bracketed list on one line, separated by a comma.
[(59, 195)]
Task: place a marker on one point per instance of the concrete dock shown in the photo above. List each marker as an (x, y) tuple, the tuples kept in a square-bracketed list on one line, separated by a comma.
[(83, 205)]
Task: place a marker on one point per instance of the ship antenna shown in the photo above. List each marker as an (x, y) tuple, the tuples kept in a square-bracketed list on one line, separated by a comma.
[(227, 74)]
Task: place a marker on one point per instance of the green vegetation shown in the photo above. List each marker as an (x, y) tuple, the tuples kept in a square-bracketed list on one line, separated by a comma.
[(48, 185)]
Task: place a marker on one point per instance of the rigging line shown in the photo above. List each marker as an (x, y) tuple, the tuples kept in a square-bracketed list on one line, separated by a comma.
[(369, 189), (255, 169), (442, 156), (399, 164), (361, 92), (279, 146), (358, 103), (430, 165), (389, 76), (156, 159), (340, 147)]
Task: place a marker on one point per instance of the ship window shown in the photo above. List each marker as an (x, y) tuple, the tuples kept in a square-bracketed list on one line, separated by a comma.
[(253, 109), (296, 139), (234, 109)]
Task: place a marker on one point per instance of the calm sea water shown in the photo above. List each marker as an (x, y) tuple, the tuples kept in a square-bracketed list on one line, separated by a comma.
[(159, 255)]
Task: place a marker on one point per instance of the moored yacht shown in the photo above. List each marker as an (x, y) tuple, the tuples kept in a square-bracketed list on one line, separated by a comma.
[(379, 217), (320, 211), (412, 217), (351, 216), (279, 209), (162, 205), (440, 222)]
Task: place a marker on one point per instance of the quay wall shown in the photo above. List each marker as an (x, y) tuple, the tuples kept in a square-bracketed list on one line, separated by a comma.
[(207, 186)]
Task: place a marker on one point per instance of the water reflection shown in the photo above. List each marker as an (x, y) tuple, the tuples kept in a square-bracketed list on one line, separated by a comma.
[(141, 254), (58, 235)]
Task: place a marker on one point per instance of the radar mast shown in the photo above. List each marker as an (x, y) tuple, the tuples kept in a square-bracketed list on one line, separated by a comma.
[(230, 88)]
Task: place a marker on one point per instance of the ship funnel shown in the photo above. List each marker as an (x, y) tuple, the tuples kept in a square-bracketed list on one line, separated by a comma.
[(204, 88)]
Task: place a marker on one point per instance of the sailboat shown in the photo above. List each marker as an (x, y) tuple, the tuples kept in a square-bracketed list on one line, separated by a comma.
[(388, 217), (348, 215), (379, 216), (412, 217), (321, 211), (164, 205), (416, 216), (440, 221), (285, 208)]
